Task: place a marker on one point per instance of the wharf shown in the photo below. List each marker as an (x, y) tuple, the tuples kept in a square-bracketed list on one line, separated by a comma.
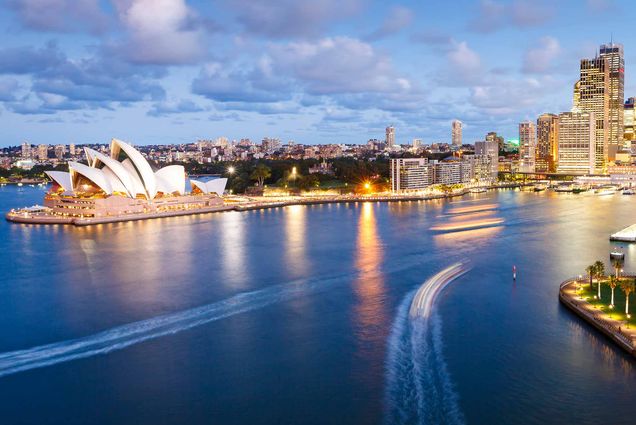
[(626, 235)]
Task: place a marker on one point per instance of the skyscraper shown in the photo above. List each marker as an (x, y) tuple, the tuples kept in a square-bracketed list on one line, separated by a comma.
[(456, 133), (527, 146), (390, 137), (576, 140), (594, 99), (546, 154), (615, 87), (629, 120)]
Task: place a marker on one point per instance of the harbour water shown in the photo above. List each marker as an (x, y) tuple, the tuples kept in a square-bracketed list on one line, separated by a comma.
[(288, 315)]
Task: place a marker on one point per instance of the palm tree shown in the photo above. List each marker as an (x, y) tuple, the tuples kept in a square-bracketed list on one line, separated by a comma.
[(260, 173), (591, 271), (613, 281), (617, 266), (599, 267), (628, 286)]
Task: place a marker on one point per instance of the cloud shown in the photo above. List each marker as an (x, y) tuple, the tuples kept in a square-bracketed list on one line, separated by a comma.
[(226, 84), (399, 17), (61, 15), (8, 89), (59, 83), (164, 108), (353, 67), (463, 65), (495, 15), (161, 32), (292, 18), (540, 58)]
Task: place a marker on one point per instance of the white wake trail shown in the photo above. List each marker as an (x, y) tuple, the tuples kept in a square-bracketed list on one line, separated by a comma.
[(419, 387), (136, 332)]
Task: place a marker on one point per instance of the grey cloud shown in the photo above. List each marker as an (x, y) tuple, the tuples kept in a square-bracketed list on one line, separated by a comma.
[(164, 108), (292, 18), (61, 15)]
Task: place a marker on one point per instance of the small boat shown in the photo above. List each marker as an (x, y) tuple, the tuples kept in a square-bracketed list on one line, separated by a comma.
[(564, 188), (578, 189), (478, 190), (629, 192), (605, 190), (19, 184), (539, 188), (617, 255)]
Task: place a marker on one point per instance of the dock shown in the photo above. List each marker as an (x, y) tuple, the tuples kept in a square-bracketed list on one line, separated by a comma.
[(626, 235)]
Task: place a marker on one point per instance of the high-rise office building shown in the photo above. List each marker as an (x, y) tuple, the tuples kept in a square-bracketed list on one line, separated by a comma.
[(456, 133), (390, 137), (577, 142), (527, 146), (547, 151), (71, 150), (615, 87), (600, 90), (629, 120)]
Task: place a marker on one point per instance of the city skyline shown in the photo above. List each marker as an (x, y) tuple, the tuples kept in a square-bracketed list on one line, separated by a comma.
[(195, 70)]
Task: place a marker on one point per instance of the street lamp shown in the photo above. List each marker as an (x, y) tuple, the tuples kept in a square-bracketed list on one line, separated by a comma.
[(231, 170)]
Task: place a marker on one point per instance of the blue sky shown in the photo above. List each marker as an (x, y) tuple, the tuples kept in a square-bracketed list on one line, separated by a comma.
[(314, 71)]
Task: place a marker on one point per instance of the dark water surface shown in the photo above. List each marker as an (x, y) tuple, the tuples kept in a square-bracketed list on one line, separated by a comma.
[(284, 316)]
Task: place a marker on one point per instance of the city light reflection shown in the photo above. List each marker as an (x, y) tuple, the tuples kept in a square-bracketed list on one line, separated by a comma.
[(369, 287), (295, 239)]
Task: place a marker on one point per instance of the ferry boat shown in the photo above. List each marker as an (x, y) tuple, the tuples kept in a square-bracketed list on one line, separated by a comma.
[(539, 188), (478, 190), (629, 192), (605, 190), (578, 189), (564, 188)]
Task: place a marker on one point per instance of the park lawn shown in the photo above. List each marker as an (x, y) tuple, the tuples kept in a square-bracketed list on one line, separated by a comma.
[(618, 312)]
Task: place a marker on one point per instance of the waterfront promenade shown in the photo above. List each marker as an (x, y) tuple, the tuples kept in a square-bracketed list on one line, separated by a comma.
[(618, 331), (31, 216)]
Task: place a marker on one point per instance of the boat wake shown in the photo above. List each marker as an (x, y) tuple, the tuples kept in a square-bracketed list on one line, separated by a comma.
[(136, 332), (419, 387)]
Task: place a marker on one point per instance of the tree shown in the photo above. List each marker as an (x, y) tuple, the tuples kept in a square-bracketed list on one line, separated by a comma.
[(617, 266), (260, 173), (591, 271), (599, 267), (628, 286), (613, 281)]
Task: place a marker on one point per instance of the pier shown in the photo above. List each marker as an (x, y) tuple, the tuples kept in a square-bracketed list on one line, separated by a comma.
[(626, 235)]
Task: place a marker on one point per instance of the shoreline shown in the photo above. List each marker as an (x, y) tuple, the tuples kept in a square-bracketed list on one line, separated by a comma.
[(611, 328), (23, 217)]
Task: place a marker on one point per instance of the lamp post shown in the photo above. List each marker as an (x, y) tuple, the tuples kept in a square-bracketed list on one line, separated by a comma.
[(231, 170)]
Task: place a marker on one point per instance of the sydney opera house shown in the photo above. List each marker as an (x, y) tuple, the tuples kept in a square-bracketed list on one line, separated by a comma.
[(124, 183)]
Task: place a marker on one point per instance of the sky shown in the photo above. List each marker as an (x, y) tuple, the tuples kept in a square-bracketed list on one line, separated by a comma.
[(312, 71)]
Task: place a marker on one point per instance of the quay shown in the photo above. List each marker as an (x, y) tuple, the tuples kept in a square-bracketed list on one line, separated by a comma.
[(616, 330), (626, 235), (42, 216)]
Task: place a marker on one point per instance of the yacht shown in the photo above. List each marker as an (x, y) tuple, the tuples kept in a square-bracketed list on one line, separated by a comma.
[(629, 192), (605, 190)]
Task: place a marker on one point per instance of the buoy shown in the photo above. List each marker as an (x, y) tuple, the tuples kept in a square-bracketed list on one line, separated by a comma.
[(514, 272)]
